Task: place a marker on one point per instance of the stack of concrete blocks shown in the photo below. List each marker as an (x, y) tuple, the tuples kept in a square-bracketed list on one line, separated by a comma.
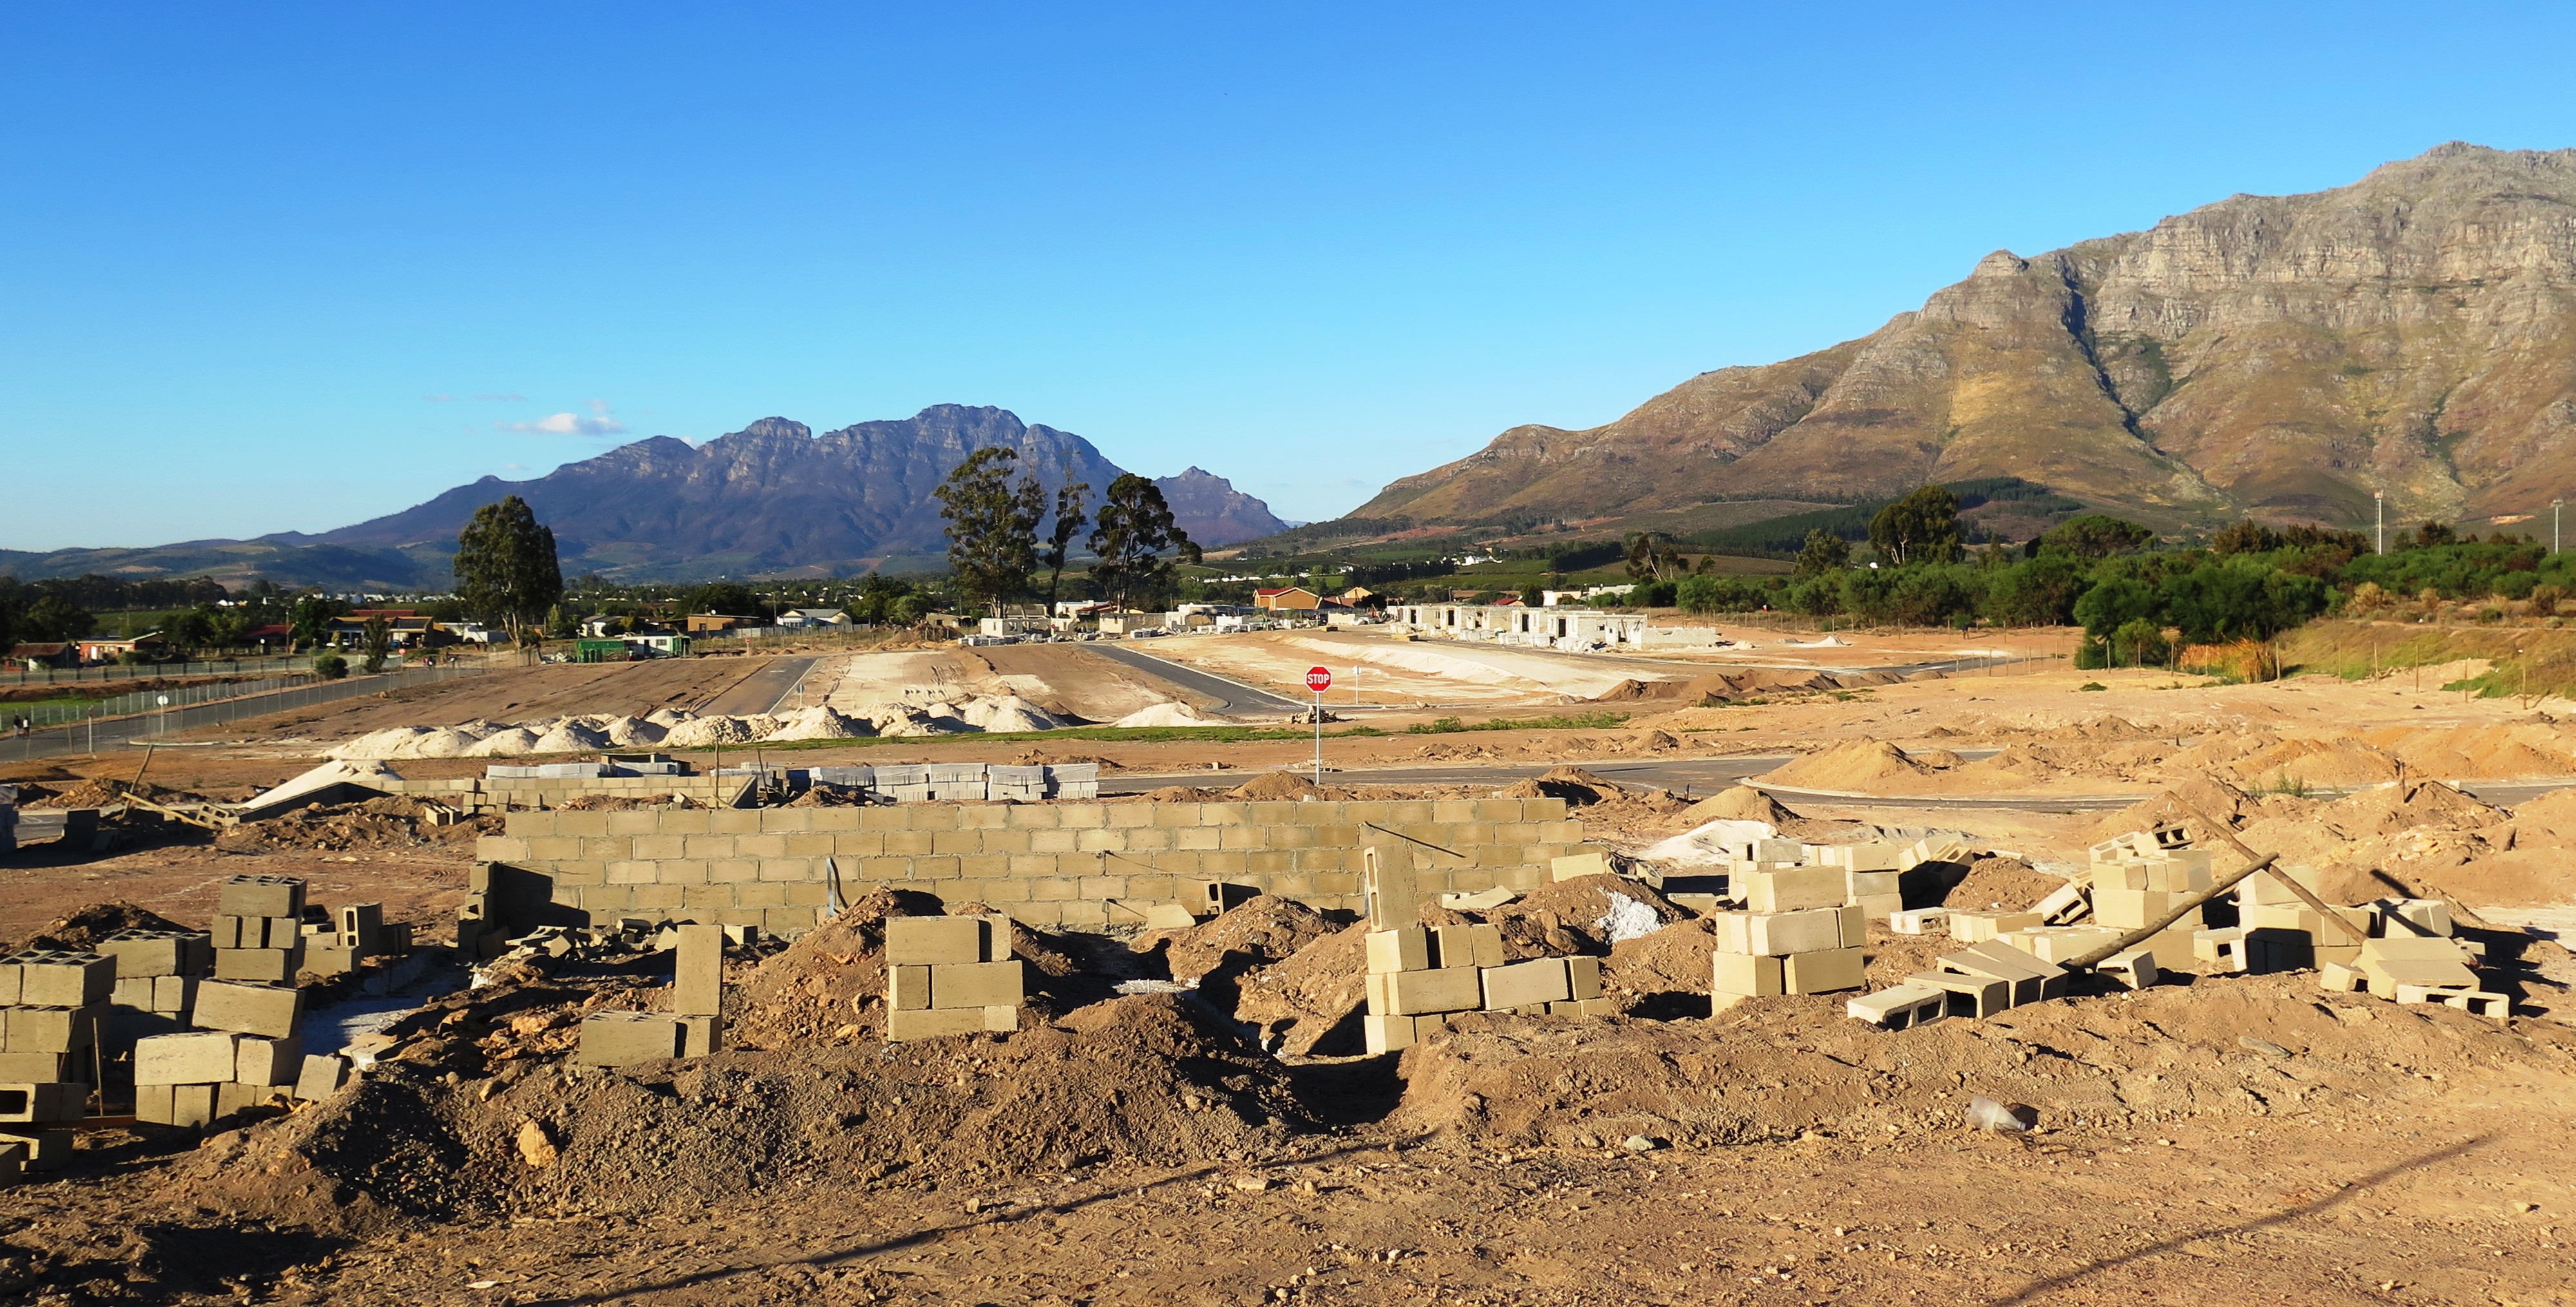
[(259, 929), (951, 976), (2276, 930), (1073, 780), (2134, 880), (1796, 936), (2412, 958), (357, 933), (1420, 975), (52, 1003), (694, 1026), (156, 975), (958, 782), (1987, 978), (1014, 784), (245, 1053), (1870, 873), (904, 782)]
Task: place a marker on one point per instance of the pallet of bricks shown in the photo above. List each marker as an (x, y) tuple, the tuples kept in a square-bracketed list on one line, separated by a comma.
[(951, 976), (243, 1050), (52, 1004), (1419, 976)]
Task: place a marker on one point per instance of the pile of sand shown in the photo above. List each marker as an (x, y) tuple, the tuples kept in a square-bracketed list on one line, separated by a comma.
[(667, 718), (1007, 712), (633, 732), (1739, 803), (571, 736), (903, 719), (415, 742), (509, 743), (707, 732), (821, 722), (1166, 714), (1858, 767), (1279, 786), (390, 822)]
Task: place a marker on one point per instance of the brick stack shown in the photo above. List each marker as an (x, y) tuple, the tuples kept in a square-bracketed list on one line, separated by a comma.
[(1015, 784), (259, 930), (1797, 936), (2411, 957), (157, 972), (950, 976), (51, 1005), (355, 933), (694, 1027), (1419, 975), (244, 1050)]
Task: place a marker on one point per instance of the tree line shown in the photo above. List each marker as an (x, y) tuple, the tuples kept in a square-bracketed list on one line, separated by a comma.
[(1001, 530)]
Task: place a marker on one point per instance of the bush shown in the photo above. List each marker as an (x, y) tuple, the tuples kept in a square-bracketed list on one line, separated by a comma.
[(331, 667), (2545, 600)]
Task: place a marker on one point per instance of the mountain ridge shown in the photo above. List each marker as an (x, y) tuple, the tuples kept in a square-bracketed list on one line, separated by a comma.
[(2283, 357), (772, 499)]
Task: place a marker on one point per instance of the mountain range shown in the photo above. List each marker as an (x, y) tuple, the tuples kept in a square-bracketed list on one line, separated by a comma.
[(773, 499), (2279, 357)]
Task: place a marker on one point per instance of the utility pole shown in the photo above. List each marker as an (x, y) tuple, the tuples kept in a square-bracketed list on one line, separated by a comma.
[(2381, 500), (2553, 523)]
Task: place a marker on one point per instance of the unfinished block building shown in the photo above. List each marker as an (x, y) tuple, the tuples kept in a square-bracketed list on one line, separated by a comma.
[(1046, 864)]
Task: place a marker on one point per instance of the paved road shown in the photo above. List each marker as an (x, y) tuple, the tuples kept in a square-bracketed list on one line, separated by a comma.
[(761, 691), (1234, 698)]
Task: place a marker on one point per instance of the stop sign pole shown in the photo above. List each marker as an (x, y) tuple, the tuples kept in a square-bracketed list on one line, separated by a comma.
[(1319, 679)]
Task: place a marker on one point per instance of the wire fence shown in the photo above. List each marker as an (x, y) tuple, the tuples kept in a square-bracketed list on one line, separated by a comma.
[(41, 715), (150, 671), (87, 734)]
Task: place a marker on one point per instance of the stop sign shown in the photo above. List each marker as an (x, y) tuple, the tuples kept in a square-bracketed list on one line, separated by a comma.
[(1319, 679)]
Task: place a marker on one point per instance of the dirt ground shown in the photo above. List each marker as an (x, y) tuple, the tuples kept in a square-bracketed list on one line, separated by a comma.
[(2250, 1137)]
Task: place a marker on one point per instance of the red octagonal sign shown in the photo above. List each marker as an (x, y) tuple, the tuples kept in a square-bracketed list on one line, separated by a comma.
[(1319, 679)]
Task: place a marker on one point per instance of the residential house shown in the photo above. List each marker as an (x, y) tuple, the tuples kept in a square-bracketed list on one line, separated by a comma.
[(712, 623), (1287, 598), (32, 657), (813, 617), (150, 645)]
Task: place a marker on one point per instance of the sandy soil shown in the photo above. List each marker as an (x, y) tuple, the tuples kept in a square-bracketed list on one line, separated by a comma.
[(1065, 679)]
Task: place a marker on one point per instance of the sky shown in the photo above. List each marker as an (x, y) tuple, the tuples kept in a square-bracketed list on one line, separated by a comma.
[(270, 267)]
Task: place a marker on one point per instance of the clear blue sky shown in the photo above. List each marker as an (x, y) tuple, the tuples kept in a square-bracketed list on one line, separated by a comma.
[(271, 267)]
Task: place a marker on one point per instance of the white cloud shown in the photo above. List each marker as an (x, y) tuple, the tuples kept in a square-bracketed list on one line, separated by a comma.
[(440, 399), (500, 399), (597, 423)]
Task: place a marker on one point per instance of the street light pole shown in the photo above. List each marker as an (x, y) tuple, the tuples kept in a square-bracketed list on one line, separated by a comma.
[(2381, 499), (2553, 524)]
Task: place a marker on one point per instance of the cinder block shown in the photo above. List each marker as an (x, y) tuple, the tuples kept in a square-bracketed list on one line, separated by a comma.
[(261, 1061), (1970, 996), (197, 1058), (2135, 968), (2032, 980), (1878, 907), (934, 941), (1543, 980), (2131, 909), (1405, 948), (627, 1038), (1793, 889), (44, 1150), (933, 1023), (133, 992), (233, 1098), (261, 896), (267, 1010), (321, 1076), (1583, 977), (362, 925), (1899, 1007), (701, 1035), (976, 984), (330, 961), (1825, 971), (270, 966), (17, 1067), (51, 979), (1745, 973), (153, 953), (38, 1101), (1386, 1034), (53, 1029), (1860, 885), (1919, 921), (1418, 993), (1580, 864), (697, 985)]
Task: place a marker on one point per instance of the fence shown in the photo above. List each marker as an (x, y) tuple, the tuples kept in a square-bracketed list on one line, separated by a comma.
[(150, 671), (87, 734), (41, 715)]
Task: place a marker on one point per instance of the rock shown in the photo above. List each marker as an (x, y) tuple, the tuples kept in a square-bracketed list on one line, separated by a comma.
[(2001, 1118), (536, 1147), (1641, 1143)]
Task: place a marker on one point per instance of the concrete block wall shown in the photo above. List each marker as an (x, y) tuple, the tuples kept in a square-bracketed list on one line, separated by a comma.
[(480, 794), (1045, 864)]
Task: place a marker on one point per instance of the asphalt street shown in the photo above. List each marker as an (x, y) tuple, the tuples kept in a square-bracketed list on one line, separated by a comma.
[(1234, 698)]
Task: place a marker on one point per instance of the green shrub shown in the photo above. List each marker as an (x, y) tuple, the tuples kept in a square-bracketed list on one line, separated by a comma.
[(331, 667)]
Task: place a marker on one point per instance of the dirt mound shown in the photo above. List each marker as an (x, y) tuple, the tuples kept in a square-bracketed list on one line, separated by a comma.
[(823, 794), (822, 722), (1572, 784), (1858, 766), (95, 794), (389, 822), (2390, 809), (1309, 1002), (1154, 1079), (1673, 960), (1166, 714), (1994, 882), (1278, 786), (83, 929), (828, 988), (2222, 801), (1584, 915), (1770, 1069), (1173, 794), (625, 802), (1738, 803), (1255, 933)]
